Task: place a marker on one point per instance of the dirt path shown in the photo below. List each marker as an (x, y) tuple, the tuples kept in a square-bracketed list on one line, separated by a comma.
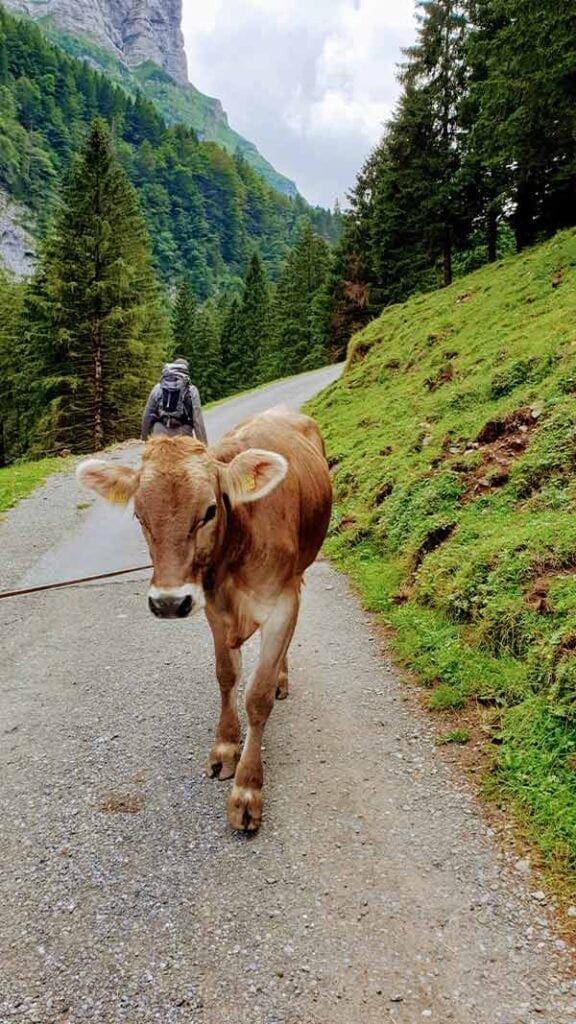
[(374, 891)]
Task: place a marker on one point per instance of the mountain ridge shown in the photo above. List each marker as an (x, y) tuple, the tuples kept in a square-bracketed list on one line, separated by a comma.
[(139, 43), (133, 31)]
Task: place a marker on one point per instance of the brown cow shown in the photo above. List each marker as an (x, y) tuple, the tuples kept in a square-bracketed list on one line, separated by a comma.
[(231, 529)]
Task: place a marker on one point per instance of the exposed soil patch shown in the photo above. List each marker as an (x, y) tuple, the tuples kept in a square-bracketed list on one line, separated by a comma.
[(384, 492), (514, 425), (433, 539), (500, 443), (537, 596), (444, 376), (346, 523)]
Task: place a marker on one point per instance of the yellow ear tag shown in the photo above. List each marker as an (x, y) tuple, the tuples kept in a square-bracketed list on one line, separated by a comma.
[(117, 495), (249, 483)]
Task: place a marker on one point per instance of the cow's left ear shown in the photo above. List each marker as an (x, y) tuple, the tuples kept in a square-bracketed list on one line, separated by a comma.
[(115, 483), (253, 474)]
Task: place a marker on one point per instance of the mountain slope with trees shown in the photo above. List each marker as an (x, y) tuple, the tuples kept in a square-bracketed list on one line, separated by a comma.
[(82, 341), (140, 46), (205, 209), (479, 157)]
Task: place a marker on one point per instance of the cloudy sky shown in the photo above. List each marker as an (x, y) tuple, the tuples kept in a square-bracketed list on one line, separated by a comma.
[(309, 81)]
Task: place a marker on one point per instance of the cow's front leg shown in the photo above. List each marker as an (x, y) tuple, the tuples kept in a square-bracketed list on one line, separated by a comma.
[(245, 801), (282, 688), (226, 749)]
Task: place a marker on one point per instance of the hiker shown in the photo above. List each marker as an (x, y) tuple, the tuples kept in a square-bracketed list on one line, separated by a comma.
[(174, 407)]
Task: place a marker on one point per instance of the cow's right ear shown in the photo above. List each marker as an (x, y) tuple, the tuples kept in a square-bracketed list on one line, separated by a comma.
[(115, 483)]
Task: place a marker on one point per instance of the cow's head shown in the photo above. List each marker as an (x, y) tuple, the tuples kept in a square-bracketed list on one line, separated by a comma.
[(182, 499)]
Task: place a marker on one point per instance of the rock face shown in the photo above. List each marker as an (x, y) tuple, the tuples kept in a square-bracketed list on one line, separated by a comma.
[(16, 243), (135, 31)]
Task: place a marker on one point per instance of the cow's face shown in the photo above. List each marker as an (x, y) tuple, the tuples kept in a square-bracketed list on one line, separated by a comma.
[(181, 499)]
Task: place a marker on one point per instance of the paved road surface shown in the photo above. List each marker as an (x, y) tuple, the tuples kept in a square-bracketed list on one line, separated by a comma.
[(374, 891)]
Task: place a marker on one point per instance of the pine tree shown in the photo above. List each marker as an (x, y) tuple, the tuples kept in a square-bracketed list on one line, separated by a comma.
[(204, 354), (95, 331), (233, 348), (183, 320), (425, 136), (299, 342), (255, 324), (522, 56)]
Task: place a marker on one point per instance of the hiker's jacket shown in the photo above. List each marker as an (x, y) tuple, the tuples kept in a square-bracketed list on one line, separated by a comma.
[(152, 424)]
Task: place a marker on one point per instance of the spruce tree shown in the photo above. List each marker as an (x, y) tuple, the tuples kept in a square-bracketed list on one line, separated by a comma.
[(233, 348), (96, 331), (299, 341), (425, 138), (183, 320), (254, 324), (522, 56), (204, 354)]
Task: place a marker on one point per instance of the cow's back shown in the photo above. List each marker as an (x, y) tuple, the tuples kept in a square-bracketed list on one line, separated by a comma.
[(294, 518)]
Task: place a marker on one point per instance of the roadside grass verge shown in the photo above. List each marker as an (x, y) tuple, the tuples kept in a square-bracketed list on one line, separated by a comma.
[(20, 479), (452, 437)]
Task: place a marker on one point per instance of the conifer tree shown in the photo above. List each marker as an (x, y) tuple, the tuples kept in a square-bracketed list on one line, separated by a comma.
[(183, 320), (299, 341), (95, 331), (522, 56), (204, 354), (233, 348), (424, 146), (254, 328)]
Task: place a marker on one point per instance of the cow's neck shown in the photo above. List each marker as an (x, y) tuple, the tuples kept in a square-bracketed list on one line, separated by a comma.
[(232, 547)]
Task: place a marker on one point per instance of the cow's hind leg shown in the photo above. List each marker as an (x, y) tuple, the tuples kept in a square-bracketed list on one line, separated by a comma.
[(245, 801), (282, 685), (226, 750)]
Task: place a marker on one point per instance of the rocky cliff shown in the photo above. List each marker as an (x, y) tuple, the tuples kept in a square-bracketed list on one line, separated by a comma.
[(135, 31), (17, 245)]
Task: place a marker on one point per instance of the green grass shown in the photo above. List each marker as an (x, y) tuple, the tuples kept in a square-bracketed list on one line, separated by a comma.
[(453, 434), (23, 477)]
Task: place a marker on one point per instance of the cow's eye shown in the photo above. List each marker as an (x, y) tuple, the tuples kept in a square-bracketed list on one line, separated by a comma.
[(210, 513)]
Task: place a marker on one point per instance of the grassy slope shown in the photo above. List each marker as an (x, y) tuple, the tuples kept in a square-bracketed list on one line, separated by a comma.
[(22, 478), (462, 535)]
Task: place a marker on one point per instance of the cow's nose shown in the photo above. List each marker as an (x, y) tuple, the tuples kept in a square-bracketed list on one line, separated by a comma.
[(168, 607)]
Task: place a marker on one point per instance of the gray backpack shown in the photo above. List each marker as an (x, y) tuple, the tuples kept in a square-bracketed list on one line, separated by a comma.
[(175, 407)]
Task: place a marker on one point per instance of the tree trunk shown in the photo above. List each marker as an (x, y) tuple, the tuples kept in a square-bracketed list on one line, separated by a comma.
[(524, 216), (97, 356), (447, 257), (491, 234)]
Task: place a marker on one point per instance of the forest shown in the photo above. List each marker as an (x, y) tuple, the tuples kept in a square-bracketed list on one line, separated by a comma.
[(478, 160), (152, 243)]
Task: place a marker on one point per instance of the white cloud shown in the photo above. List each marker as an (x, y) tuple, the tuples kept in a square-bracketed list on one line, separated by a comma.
[(311, 83)]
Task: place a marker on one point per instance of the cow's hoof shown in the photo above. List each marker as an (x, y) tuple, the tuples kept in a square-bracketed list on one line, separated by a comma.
[(223, 760), (282, 690), (245, 809)]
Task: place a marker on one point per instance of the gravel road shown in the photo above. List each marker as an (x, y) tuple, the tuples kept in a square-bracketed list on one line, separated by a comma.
[(375, 890)]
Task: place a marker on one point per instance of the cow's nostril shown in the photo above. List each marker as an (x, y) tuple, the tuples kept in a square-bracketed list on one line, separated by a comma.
[(185, 607), (167, 606)]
